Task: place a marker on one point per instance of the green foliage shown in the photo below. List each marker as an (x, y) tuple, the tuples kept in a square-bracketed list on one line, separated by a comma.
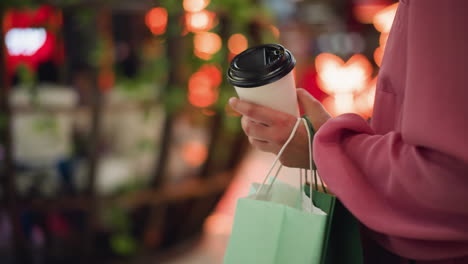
[(124, 244), (175, 98), (18, 4)]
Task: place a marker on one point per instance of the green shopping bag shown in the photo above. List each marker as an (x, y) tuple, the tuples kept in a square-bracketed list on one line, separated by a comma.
[(278, 225), (342, 242)]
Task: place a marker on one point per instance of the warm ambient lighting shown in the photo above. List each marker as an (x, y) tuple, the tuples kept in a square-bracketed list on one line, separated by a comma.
[(275, 31), (194, 153), (195, 5), (365, 12), (342, 81), (203, 86), (206, 44), (336, 76), (156, 20), (237, 43), (383, 20), (365, 101), (200, 21)]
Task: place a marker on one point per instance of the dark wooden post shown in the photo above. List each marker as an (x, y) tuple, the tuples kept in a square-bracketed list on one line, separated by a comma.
[(174, 52), (7, 169)]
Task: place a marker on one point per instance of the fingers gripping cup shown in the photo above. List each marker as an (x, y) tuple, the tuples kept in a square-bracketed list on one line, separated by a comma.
[(263, 75)]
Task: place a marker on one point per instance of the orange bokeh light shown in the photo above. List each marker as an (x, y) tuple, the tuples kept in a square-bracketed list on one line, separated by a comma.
[(275, 31), (200, 21), (383, 39), (206, 44), (378, 55), (195, 5), (237, 43), (106, 80), (366, 12), (203, 86), (213, 72), (365, 101), (194, 153), (156, 20), (336, 76), (383, 20)]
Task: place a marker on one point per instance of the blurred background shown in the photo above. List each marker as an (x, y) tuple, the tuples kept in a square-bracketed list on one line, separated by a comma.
[(116, 144)]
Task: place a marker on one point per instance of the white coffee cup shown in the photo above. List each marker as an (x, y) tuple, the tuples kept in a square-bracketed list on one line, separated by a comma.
[(264, 75)]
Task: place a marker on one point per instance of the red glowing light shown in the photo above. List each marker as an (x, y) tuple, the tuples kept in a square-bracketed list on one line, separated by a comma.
[(106, 80), (203, 86), (156, 20), (30, 37), (237, 43)]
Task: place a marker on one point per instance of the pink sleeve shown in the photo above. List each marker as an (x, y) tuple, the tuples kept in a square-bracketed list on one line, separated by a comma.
[(412, 186)]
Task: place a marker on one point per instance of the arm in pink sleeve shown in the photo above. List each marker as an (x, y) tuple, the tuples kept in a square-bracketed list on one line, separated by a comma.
[(412, 186)]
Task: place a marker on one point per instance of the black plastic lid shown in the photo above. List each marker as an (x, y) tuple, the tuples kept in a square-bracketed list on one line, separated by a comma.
[(260, 65)]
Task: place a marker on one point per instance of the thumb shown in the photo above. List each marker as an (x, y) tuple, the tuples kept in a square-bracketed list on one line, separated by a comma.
[(308, 103), (312, 108)]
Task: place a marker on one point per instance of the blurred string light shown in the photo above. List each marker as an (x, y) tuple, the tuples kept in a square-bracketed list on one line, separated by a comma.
[(365, 10), (203, 86), (195, 5), (365, 101), (342, 81), (383, 21), (237, 43), (206, 44), (25, 41), (156, 20), (275, 31), (194, 153), (200, 21)]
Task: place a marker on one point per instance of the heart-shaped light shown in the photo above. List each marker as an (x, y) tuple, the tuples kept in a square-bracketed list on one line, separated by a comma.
[(338, 77)]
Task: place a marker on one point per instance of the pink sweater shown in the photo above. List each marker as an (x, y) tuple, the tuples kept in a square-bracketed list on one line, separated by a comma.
[(405, 176)]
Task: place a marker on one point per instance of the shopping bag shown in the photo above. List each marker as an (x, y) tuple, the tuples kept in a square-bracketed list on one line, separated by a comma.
[(277, 224), (342, 239)]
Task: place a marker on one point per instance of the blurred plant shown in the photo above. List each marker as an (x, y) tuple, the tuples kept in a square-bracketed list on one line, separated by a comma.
[(121, 242)]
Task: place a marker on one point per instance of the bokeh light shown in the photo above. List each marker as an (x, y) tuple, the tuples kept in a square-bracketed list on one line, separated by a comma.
[(336, 76), (200, 21), (275, 31), (206, 44), (195, 5), (237, 43), (383, 20), (194, 153), (156, 20), (203, 86), (365, 12), (343, 81), (378, 55)]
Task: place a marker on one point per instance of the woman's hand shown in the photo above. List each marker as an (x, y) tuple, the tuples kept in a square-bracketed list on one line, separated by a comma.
[(268, 129)]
